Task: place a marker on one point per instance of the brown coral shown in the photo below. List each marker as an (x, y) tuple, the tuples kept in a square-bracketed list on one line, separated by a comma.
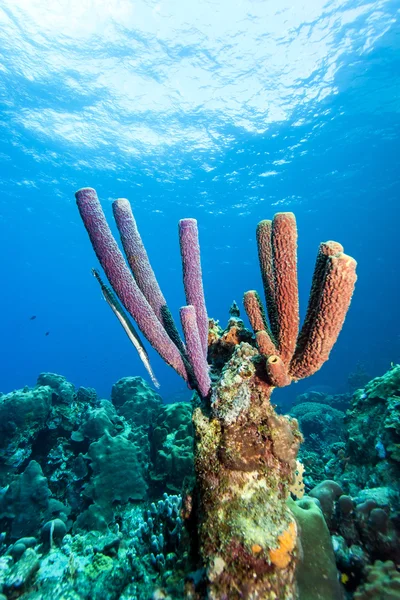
[(331, 291)]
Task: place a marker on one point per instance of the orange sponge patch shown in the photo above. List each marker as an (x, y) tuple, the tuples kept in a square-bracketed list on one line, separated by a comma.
[(281, 556)]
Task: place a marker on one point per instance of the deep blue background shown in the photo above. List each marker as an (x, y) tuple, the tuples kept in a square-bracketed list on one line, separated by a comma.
[(336, 164)]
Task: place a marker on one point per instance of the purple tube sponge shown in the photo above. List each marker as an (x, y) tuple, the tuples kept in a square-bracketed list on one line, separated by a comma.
[(121, 279), (194, 350), (136, 256), (192, 278)]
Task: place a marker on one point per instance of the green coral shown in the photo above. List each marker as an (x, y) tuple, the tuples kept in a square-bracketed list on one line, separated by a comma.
[(383, 583), (136, 401), (27, 503), (99, 565), (385, 386), (316, 573), (110, 456), (23, 414), (172, 447), (373, 424)]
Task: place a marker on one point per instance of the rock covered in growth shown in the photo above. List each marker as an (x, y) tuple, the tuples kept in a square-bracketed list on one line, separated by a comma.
[(364, 527), (172, 447), (22, 573), (159, 543), (320, 424), (340, 402), (245, 458), (383, 583), (136, 400), (26, 503), (23, 414), (373, 431)]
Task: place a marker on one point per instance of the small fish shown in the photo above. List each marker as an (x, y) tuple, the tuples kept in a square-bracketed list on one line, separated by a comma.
[(129, 329), (32, 318), (47, 333)]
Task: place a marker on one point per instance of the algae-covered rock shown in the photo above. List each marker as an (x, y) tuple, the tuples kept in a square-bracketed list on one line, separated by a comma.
[(245, 456), (64, 390), (320, 424), (23, 414), (373, 432), (96, 421), (117, 472), (136, 401), (383, 583), (27, 502), (118, 475), (22, 572), (316, 573), (172, 447)]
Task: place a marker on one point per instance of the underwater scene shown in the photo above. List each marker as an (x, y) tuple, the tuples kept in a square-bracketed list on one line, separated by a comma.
[(200, 325)]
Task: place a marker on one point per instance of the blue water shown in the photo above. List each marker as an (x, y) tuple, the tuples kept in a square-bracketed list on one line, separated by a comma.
[(226, 112)]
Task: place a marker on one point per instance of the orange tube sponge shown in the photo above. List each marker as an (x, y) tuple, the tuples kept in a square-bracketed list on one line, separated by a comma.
[(255, 311), (325, 249), (284, 246), (265, 344), (277, 372), (327, 313), (264, 245)]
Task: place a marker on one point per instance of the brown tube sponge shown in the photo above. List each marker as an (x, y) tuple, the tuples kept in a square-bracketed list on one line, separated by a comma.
[(255, 311), (336, 285), (325, 249), (284, 247), (264, 245), (265, 344), (277, 372)]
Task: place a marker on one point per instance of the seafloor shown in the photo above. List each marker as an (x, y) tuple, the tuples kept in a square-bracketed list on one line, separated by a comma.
[(91, 490)]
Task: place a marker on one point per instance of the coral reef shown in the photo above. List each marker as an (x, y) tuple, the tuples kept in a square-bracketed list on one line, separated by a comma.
[(320, 423), (172, 449), (316, 573), (383, 582), (245, 454), (338, 401), (373, 432), (62, 458), (364, 527), (71, 529), (76, 511), (130, 563), (361, 500)]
